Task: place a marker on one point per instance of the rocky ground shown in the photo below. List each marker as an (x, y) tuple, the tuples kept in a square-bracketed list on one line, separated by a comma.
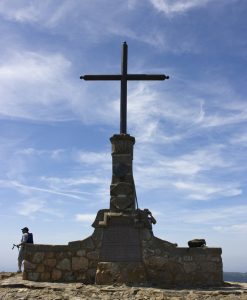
[(13, 287)]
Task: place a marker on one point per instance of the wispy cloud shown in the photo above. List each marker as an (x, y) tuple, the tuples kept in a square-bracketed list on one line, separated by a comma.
[(25, 189), (171, 7), (33, 12), (199, 174), (30, 207), (54, 154), (198, 161), (227, 117), (203, 191), (240, 228), (191, 164), (233, 214), (89, 22), (94, 157), (75, 181), (239, 139), (41, 83)]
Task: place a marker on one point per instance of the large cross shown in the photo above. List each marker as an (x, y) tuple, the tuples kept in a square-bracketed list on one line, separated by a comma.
[(124, 77)]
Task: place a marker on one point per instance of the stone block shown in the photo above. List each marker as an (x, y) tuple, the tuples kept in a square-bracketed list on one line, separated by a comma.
[(40, 269), (146, 234), (122, 144), (92, 264), (79, 263), (214, 258), (87, 243), (189, 267), (34, 276), (61, 255), (81, 252), (128, 273), (68, 276), (49, 254), (56, 275), (97, 236), (38, 257), (64, 264), (50, 262), (148, 251), (94, 255), (208, 267), (122, 188), (200, 257), (122, 202), (46, 276), (157, 261), (188, 258)]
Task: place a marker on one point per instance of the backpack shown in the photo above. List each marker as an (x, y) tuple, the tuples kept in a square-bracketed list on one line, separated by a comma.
[(30, 238)]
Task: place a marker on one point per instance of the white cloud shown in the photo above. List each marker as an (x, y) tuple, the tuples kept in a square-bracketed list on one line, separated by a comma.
[(54, 154), (26, 189), (87, 15), (42, 88), (221, 103), (236, 228), (219, 216), (31, 206), (75, 181), (198, 161), (239, 139), (198, 174), (225, 118), (45, 12), (203, 191), (94, 157), (171, 7), (85, 217), (191, 164), (148, 108)]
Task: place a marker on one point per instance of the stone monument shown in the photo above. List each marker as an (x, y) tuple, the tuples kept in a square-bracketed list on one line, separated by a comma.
[(122, 248)]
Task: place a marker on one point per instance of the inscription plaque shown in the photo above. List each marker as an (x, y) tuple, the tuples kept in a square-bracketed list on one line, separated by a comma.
[(121, 244)]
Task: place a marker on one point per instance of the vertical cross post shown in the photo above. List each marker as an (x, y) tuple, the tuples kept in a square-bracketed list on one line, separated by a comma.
[(123, 100)]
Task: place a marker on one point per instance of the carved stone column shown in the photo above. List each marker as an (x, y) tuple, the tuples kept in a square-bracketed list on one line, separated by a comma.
[(122, 188)]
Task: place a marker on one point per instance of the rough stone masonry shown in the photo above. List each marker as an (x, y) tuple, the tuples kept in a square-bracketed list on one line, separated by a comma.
[(122, 248)]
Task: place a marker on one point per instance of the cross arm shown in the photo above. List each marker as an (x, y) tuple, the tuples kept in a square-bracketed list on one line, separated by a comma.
[(101, 77), (126, 77), (146, 77)]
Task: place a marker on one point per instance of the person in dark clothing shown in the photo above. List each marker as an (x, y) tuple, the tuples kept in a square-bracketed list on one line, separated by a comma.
[(24, 239)]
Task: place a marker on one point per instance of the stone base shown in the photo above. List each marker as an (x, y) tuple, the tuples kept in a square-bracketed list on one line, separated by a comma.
[(102, 258), (122, 273)]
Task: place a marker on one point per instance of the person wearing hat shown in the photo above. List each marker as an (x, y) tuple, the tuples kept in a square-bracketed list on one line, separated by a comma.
[(26, 236)]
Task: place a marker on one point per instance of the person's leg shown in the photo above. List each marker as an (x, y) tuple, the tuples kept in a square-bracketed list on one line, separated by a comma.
[(20, 259)]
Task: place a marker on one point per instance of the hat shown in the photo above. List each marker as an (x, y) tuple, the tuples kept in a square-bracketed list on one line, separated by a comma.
[(25, 228)]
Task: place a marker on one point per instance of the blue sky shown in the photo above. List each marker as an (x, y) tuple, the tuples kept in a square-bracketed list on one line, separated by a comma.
[(191, 138)]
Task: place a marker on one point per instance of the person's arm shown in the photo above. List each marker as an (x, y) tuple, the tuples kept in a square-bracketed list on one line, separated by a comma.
[(24, 239)]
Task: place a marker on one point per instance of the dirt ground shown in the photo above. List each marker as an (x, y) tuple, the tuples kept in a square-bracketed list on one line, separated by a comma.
[(12, 286)]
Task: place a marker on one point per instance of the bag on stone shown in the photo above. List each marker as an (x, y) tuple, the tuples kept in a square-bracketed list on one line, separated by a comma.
[(197, 243), (30, 238)]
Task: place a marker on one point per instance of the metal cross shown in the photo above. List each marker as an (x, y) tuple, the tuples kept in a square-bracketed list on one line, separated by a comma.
[(124, 77)]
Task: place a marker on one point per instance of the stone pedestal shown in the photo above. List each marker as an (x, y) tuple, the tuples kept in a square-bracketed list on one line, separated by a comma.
[(122, 188), (122, 248)]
